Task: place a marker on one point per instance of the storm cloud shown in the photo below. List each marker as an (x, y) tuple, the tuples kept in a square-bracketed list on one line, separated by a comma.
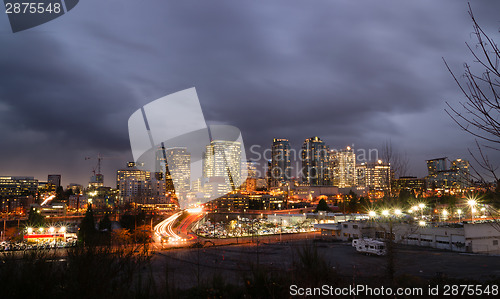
[(351, 72)]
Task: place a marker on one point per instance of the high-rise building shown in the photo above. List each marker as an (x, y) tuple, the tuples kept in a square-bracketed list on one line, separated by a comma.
[(281, 169), (440, 177), (409, 184), (269, 176), (374, 176), (179, 166), (223, 159), (462, 172), (315, 162), (333, 169), (345, 169), (249, 184), (14, 186), (436, 165), (134, 185), (54, 179), (251, 167)]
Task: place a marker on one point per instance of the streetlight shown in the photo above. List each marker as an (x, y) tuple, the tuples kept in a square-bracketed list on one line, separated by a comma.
[(421, 206), (372, 213), (421, 223), (472, 203), (445, 214), (459, 214), (397, 212), (30, 230), (483, 209), (62, 229), (52, 229), (385, 212)]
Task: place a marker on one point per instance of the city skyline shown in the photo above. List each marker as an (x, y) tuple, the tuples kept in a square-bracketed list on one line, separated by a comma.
[(289, 77), (249, 149)]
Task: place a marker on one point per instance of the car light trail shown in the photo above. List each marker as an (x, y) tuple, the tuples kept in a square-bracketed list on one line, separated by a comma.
[(164, 228), (48, 199)]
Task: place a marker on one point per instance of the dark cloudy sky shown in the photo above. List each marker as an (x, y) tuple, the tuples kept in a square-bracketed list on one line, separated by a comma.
[(351, 72)]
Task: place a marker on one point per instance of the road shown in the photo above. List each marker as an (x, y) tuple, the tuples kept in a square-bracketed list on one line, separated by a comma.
[(164, 230), (167, 234)]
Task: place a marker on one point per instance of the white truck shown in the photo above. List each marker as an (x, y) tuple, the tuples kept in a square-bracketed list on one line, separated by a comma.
[(370, 246)]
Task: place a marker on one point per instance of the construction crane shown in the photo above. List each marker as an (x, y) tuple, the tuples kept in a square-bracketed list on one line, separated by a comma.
[(97, 180), (98, 167)]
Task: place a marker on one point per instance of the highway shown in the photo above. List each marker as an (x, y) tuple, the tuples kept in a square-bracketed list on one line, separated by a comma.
[(182, 233), (164, 230)]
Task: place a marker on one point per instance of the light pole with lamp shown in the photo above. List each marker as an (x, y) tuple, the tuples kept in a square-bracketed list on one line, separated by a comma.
[(421, 206), (445, 215), (472, 204)]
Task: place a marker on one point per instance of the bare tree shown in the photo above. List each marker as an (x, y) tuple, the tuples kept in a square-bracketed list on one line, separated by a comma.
[(479, 114), (399, 161)]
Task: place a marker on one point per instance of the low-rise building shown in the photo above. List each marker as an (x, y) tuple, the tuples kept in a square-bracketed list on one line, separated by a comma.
[(483, 237)]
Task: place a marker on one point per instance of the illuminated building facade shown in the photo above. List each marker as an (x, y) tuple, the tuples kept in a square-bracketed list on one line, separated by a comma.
[(410, 184), (281, 170), (251, 167), (437, 165), (315, 162), (14, 186), (440, 178), (179, 166), (134, 185), (223, 159), (345, 168), (374, 176), (54, 179)]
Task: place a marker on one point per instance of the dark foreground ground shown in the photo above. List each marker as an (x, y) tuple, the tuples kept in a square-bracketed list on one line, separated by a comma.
[(250, 270), (189, 268)]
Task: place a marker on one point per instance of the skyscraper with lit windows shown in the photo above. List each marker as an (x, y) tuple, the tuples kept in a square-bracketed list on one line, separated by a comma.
[(345, 169), (315, 162), (374, 176), (281, 170), (222, 158), (179, 166)]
